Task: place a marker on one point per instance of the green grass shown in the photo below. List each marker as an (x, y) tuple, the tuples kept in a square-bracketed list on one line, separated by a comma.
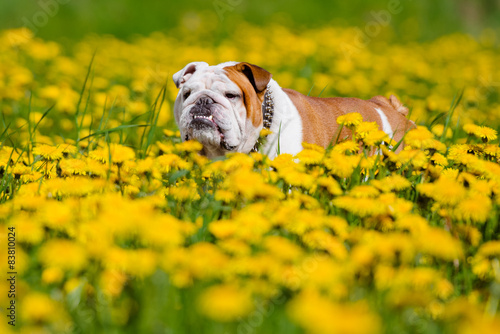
[(418, 20)]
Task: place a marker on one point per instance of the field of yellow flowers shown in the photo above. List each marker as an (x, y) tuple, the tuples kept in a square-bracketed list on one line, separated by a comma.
[(110, 224)]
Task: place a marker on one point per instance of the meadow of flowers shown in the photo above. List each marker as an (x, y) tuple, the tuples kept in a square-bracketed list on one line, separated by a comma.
[(122, 228)]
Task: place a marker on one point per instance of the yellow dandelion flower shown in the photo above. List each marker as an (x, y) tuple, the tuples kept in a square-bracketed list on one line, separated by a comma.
[(489, 249), (185, 191), (394, 182), (48, 152), (365, 128), (170, 133), (362, 207), (140, 262), (119, 153), (310, 157), (439, 159), (314, 147), (165, 147), (38, 307), (73, 167), (443, 289), (414, 157), (235, 247), (322, 240), (225, 303), (188, 146), (482, 132), (364, 191), (225, 196), (476, 209), (347, 147), (33, 230), (350, 119), (330, 184), (438, 131), (250, 185), (492, 150), (282, 161), (19, 37), (341, 165), (282, 248), (112, 282), (64, 254), (167, 161), (264, 132), (375, 138), (445, 190), (52, 275), (418, 137), (296, 178), (68, 148), (313, 312), (470, 234), (95, 168), (439, 243)]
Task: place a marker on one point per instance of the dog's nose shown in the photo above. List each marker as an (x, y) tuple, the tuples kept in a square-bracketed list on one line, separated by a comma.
[(204, 100)]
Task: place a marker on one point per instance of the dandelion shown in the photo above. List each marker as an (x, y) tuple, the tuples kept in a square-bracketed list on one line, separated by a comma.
[(282, 248), (225, 303), (394, 182), (73, 167), (482, 132), (188, 146), (375, 138), (350, 120), (112, 282), (476, 209), (310, 157), (314, 313), (445, 190), (418, 137), (365, 128), (341, 165), (38, 307), (362, 207), (438, 131), (48, 152), (439, 243), (170, 133), (63, 254), (330, 185), (346, 147), (52, 275)]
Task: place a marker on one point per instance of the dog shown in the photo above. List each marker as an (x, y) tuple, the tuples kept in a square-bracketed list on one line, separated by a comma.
[(226, 106)]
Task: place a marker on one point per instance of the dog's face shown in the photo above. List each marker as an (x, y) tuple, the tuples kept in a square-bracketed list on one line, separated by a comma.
[(220, 106)]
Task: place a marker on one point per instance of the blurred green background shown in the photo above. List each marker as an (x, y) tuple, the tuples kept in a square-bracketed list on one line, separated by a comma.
[(418, 20)]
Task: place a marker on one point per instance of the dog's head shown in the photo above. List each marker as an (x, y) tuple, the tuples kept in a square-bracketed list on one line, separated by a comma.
[(220, 106)]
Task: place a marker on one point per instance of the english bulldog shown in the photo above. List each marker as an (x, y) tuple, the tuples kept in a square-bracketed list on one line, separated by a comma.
[(225, 107)]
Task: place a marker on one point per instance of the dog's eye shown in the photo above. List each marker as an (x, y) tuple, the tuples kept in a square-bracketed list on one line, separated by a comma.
[(186, 94), (232, 95)]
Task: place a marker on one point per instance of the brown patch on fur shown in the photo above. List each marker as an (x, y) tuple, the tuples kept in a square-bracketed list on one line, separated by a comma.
[(252, 81), (319, 115)]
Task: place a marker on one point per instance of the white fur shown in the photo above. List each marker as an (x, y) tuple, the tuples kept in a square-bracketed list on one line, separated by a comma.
[(386, 126), (286, 124)]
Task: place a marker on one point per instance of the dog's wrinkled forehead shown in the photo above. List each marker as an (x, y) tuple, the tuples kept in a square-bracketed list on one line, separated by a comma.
[(199, 75), (211, 78)]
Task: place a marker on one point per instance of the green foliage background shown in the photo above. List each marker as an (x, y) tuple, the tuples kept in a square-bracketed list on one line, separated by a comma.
[(419, 20)]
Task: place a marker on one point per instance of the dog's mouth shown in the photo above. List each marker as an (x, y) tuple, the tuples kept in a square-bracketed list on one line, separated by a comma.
[(206, 122)]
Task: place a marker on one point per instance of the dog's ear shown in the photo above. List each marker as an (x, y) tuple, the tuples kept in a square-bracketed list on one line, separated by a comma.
[(183, 75), (258, 77)]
